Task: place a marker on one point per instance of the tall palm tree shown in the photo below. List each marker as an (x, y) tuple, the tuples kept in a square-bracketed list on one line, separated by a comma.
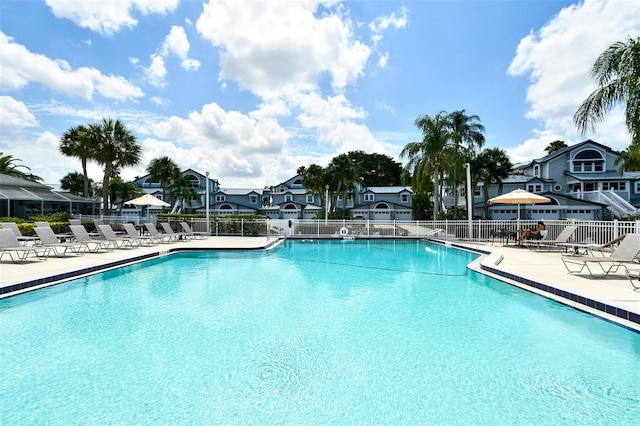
[(466, 131), (315, 179), (183, 191), (9, 167), (425, 157), (77, 142), (491, 166), (617, 73), (555, 146), (163, 170), (116, 147), (345, 174)]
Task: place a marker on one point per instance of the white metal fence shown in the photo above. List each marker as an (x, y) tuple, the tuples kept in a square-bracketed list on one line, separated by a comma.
[(597, 232)]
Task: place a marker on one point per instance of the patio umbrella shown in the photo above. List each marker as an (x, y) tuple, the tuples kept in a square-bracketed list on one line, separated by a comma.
[(148, 200), (519, 196)]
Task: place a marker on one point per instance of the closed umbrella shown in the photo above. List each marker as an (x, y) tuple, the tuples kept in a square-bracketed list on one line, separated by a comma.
[(519, 196)]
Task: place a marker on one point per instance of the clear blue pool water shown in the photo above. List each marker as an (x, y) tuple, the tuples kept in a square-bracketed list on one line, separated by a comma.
[(310, 333)]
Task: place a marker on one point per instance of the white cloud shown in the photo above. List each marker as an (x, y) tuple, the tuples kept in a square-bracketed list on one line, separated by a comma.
[(15, 116), (558, 59), (108, 17), (175, 43), (19, 67), (272, 48), (382, 23)]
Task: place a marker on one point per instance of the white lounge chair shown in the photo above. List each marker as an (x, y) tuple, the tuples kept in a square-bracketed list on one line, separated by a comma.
[(23, 239), (10, 245), (563, 237), (109, 235), (50, 240), (169, 231), (133, 233), (191, 233), (623, 256), (153, 231), (590, 248), (82, 236)]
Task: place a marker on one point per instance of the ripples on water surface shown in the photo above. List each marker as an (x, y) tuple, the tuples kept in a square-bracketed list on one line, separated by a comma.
[(311, 332)]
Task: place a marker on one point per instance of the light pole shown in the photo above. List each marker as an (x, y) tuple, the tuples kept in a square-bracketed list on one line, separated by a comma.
[(206, 198), (469, 200), (326, 202)]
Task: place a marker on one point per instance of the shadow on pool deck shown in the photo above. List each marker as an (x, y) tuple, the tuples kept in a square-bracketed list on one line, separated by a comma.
[(613, 298)]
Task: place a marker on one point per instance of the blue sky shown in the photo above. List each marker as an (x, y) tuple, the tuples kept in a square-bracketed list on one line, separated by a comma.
[(251, 90)]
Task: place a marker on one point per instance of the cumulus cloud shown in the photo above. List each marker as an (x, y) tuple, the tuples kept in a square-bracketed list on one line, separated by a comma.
[(15, 116), (558, 59), (19, 67), (274, 47), (108, 17), (175, 43)]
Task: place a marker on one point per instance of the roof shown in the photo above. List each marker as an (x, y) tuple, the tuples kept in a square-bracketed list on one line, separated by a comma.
[(239, 191), (13, 188), (387, 189), (608, 175), (564, 151), (6, 180)]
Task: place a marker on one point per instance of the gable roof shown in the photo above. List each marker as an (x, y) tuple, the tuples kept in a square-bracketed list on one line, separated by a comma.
[(563, 151)]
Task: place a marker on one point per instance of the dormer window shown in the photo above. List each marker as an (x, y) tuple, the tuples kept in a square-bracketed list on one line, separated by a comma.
[(536, 170), (368, 197), (588, 160)]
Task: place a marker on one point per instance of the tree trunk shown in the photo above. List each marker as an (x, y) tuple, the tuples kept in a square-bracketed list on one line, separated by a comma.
[(105, 188), (85, 185), (436, 192)]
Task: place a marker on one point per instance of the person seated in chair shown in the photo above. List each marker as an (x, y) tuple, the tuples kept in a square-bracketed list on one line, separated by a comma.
[(532, 234)]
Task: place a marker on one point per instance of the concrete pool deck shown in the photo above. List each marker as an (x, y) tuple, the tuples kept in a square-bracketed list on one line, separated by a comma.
[(540, 272)]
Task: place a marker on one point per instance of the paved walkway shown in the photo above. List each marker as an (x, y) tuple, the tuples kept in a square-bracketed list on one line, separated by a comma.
[(614, 295)]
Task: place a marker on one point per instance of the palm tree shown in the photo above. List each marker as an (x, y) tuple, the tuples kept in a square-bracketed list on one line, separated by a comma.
[(425, 157), (345, 174), (116, 147), (121, 191), (466, 130), (183, 190), (163, 170), (629, 159), (77, 142), (491, 166), (74, 183), (9, 167), (555, 146), (314, 178), (617, 73)]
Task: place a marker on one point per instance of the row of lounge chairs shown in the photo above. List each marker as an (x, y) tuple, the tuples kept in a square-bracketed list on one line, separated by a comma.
[(598, 260), (19, 247)]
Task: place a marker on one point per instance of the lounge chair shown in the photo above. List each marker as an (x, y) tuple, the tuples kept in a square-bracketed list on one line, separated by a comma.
[(563, 237), (109, 235), (82, 236), (10, 245), (624, 255), (590, 248), (23, 239), (50, 240), (153, 231), (169, 231), (191, 233), (74, 222), (133, 233)]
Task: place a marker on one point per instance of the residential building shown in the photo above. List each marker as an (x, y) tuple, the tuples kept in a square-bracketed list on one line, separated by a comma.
[(582, 181), (23, 198)]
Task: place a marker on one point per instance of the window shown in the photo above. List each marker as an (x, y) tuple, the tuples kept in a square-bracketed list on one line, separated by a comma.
[(253, 199), (369, 197), (288, 197), (537, 187), (310, 199), (404, 198), (536, 170), (588, 160), (220, 198), (638, 186), (614, 186)]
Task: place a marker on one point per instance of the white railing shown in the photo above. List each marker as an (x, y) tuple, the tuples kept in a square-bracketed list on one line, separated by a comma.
[(596, 232), (617, 204)]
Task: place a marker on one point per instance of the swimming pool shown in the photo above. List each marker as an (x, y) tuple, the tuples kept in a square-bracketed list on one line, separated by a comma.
[(310, 332)]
